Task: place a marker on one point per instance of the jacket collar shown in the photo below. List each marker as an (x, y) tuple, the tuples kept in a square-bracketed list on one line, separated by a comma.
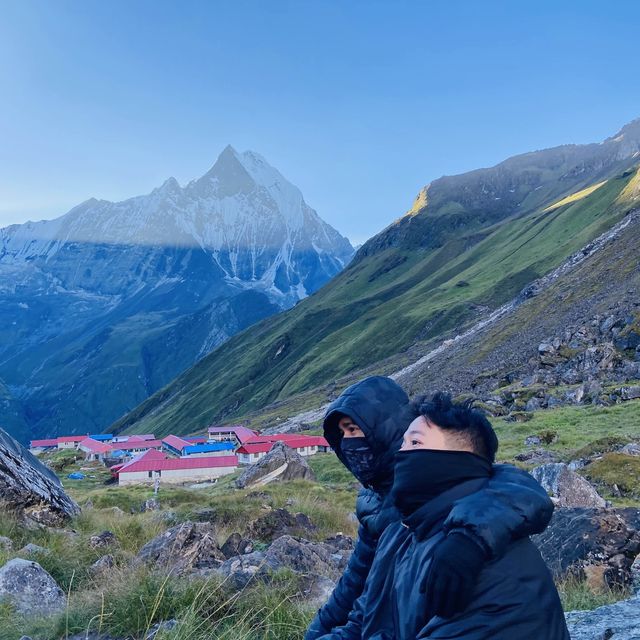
[(428, 518)]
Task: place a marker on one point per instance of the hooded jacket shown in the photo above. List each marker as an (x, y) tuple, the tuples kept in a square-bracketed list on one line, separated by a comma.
[(514, 596), (512, 505)]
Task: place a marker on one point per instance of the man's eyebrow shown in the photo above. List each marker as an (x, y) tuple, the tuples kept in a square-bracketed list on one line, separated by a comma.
[(415, 431)]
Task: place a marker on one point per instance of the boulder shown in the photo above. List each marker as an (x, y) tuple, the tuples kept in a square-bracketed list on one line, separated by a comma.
[(6, 544), (102, 564), (618, 621), (31, 549), (30, 589), (312, 560), (103, 539), (236, 545), (279, 522), (569, 488), (183, 548), (578, 539), (537, 456), (281, 463), (31, 489), (152, 504)]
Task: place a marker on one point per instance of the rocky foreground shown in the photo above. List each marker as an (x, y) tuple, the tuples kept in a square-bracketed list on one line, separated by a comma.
[(212, 550)]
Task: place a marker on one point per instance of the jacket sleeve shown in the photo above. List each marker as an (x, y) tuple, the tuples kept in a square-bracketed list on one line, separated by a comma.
[(335, 613), (511, 506)]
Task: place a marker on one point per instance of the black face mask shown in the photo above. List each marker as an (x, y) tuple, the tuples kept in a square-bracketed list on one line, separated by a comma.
[(360, 459), (422, 474)]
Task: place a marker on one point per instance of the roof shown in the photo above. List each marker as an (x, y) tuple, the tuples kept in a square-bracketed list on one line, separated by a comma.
[(176, 464), (208, 447), (138, 444), (175, 442), (242, 433), (143, 436), (94, 446), (150, 455), (294, 440), (258, 447), (197, 439), (101, 436), (53, 442), (262, 445), (71, 438)]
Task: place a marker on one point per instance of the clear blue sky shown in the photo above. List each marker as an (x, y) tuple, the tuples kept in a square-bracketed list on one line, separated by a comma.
[(359, 103)]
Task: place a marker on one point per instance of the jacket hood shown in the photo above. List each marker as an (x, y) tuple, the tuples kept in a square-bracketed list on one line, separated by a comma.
[(381, 408)]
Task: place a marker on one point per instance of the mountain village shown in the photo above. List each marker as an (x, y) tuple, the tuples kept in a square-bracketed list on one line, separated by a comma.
[(144, 459)]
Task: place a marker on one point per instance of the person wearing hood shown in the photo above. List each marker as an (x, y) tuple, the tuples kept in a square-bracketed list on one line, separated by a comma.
[(365, 428), (446, 457)]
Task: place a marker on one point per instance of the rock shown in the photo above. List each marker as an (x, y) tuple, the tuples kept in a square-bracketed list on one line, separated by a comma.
[(312, 559), (578, 538), (533, 404), (279, 522), (571, 489), (532, 441), (167, 625), (281, 463), (537, 456), (31, 549), (340, 542), (635, 576), (205, 514), (117, 511), (631, 449), (183, 548), (617, 621), (6, 544), (30, 589), (629, 393), (30, 488), (236, 545), (103, 539), (102, 564), (152, 504)]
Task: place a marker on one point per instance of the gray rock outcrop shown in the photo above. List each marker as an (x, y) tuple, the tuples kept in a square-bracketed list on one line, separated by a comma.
[(569, 488), (183, 548), (30, 488), (618, 621), (281, 463), (599, 545), (311, 560), (30, 589), (280, 522)]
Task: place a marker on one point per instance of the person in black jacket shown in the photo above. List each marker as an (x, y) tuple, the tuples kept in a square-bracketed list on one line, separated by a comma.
[(446, 458), (512, 505)]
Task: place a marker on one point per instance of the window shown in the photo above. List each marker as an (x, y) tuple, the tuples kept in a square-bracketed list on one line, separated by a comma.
[(151, 474)]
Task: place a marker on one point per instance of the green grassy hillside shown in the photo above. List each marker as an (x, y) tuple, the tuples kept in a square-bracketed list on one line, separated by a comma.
[(379, 306)]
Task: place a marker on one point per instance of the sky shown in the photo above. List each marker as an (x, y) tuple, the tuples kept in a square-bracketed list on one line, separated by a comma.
[(358, 103)]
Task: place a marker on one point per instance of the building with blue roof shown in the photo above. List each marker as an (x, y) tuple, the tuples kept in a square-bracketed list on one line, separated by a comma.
[(102, 437), (209, 449)]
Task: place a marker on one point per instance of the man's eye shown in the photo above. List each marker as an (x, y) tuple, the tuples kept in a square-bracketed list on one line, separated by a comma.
[(415, 442)]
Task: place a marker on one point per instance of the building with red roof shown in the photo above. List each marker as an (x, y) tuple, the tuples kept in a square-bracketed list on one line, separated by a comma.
[(174, 444), (236, 433), (137, 446), (94, 450), (36, 446), (176, 470), (70, 442), (259, 446)]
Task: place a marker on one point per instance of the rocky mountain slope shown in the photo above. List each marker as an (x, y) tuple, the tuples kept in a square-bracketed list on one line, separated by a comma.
[(469, 246), (106, 304)]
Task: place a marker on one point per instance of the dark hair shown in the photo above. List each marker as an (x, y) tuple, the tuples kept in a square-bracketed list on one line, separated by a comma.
[(469, 424)]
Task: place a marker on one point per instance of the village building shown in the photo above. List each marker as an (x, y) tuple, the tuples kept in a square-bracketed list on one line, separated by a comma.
[(144, 436), (133, 448), (209, 449), (70, 442), (175, 445), (38, 446), (175, 470), (258, 447), (237, 434), (94, 450)]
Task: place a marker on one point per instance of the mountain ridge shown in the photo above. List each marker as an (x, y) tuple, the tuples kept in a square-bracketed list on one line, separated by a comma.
[(207, 259), (422, 277)]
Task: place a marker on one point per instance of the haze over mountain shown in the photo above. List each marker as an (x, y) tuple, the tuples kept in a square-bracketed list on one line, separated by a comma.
[(103, 306), (469, 245)]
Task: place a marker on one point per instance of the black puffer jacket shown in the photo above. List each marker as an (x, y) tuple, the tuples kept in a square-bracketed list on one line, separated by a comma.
[(514, 597), (512, 505)]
